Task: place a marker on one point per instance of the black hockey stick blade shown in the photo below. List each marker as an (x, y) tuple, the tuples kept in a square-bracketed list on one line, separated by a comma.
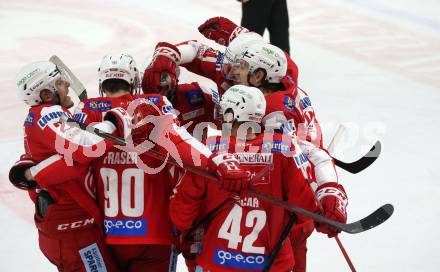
[(361, 164), (373, 220)]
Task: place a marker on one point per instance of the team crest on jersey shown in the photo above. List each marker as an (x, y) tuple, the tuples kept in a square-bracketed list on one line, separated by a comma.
[(276, 146), (29, 119), (305, 102), (50, 117), (195, 97), (154, 99), (99, 105), (289, 104)]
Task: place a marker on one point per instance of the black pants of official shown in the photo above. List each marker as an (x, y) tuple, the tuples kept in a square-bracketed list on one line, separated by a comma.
[(257, 15)]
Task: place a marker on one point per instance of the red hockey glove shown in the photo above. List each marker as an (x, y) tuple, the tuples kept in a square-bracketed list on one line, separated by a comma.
[(221, 30), (161, 75), (120, 118), (334, 201), (17, 173), (232, 176)]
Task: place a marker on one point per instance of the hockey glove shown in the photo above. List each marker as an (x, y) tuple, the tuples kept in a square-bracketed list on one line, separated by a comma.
[(161, 75), (121, 120), (232, 176), (334, 201), (17, 173), (221, 30)]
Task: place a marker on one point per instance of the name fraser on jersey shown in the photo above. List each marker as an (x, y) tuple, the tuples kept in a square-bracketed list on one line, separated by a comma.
[(120, 157)]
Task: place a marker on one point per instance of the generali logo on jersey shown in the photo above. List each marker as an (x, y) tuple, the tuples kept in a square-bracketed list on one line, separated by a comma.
[(254, 158)]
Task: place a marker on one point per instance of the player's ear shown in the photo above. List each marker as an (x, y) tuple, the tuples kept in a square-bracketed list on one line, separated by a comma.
[(260, 75)]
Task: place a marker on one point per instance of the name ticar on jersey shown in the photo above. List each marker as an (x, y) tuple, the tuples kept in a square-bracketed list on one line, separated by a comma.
[(249, 202), (53, 116)]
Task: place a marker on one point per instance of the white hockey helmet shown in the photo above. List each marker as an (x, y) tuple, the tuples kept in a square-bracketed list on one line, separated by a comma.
[(119, 66), (236, 49), (268, 57), (35, 77), (247, 103)]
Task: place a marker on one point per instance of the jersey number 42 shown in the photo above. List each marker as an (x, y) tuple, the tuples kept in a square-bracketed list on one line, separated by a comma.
[(230, 230)]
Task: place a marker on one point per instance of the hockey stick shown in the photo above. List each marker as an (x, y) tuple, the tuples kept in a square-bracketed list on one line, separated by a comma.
[(331, 148), (356, 166), (75, 84), (359, 165), (373, 220), (283, 236)]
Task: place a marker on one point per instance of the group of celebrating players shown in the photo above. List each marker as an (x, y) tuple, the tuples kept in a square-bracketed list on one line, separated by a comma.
[(101, 206)]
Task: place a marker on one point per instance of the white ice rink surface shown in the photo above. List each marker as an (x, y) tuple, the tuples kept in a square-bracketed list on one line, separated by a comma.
[(372, 65)]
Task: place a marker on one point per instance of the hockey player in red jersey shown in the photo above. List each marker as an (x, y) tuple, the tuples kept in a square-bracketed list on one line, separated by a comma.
[(289, 108), (68, 220), (245, 231), (194, 102), (133, 189)]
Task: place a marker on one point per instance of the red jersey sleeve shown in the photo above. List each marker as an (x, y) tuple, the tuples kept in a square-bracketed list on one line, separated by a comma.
[(204, 61), (172, 139), (186, 203), (55, 170), (47, 136)]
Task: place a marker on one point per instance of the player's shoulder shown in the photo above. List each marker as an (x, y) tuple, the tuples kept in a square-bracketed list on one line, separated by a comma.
[(280, 101), (151, 98), (157, 101), (100, 104), (196, 93), (44, 114), (276, 143)]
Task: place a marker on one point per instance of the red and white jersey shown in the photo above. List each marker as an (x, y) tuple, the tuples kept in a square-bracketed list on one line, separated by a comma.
[(243, 234), (62, 153), (291, 108), (135, 202), (195, 105), (206, 61)]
